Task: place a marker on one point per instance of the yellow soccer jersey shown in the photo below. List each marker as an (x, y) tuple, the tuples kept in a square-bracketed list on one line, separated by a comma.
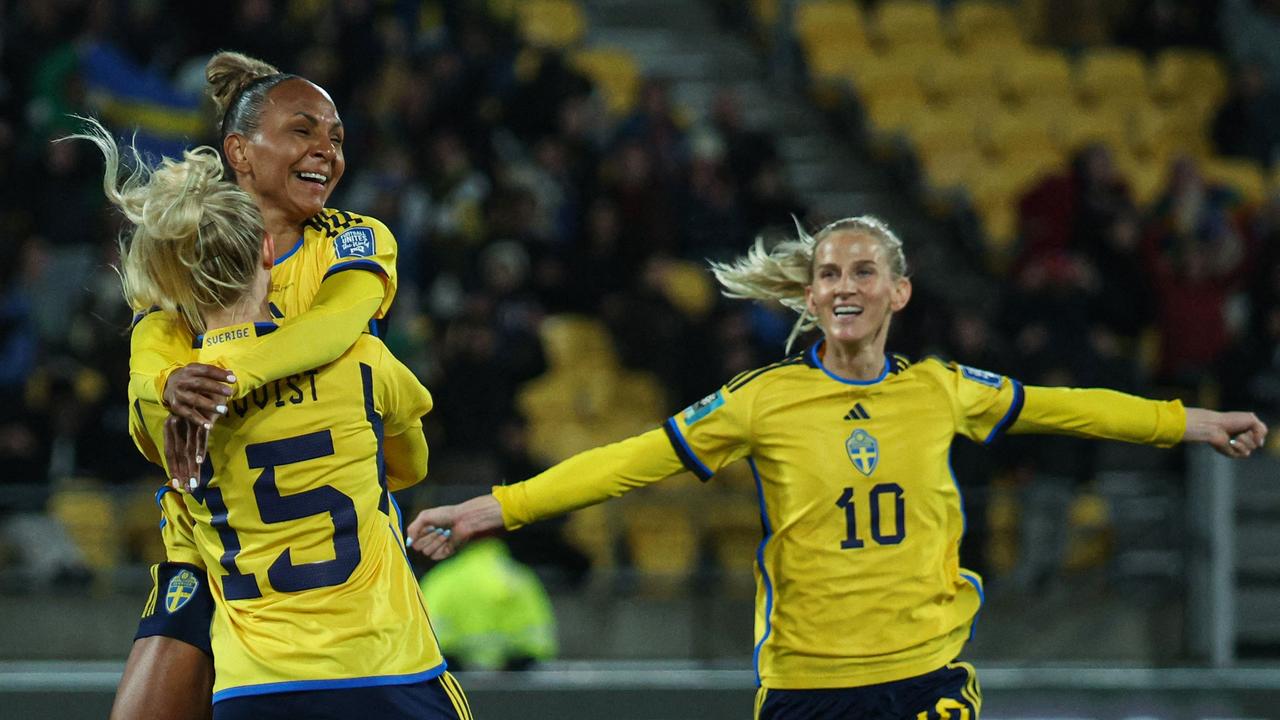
[(334, 241), (860, 511), (298, 532)]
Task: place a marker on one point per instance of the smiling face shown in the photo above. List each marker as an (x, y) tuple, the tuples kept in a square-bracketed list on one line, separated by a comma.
[(854, 292), (293, 161)]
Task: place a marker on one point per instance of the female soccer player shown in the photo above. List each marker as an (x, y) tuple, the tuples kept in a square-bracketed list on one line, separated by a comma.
[(282, 140), (317, 612), (862, 607)]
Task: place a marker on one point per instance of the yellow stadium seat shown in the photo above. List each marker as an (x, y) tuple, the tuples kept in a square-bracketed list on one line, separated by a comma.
[(88, 514), (832, 66), (1145, 176), (959, 78), (830, 20), (943, 130), (1181, 74), (1017, 133), (977, 23), (663, 543), (1243, 175), (574, 341), (557, 24), (901, 23), (1112, 76), (1039, 73), (593, 530), (891, 114), (614, 72), (1084, 126), (957, 167)]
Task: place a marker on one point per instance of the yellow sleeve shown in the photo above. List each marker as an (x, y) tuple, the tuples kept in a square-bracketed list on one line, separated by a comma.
[(177, 528), (588, 478), (363, 243), (1101, 414), (712, 432), (402, 403), (338, 315), (983, 404), (159, 344)]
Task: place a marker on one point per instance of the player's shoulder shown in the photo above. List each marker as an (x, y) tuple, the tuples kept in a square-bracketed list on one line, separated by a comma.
[(949, 373), (331, 223), (759, 378)]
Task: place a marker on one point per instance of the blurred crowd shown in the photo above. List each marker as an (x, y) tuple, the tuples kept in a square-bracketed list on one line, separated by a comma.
[(516, 196)]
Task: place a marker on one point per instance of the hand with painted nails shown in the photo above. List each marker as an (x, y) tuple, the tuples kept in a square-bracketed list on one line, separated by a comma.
[(199, 393), (185, 444), (439, 532)]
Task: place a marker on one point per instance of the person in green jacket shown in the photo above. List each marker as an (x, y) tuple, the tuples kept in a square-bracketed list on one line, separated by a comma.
[(489, 611)]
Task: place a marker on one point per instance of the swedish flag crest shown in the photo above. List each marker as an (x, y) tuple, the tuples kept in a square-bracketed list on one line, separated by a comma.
[(181, 589), (864, 451)]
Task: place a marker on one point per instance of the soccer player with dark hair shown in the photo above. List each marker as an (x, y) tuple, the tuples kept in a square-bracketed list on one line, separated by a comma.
[(317, 612), (862, 607)]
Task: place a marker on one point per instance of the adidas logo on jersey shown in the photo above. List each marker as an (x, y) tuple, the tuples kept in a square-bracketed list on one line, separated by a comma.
[(858, 413)]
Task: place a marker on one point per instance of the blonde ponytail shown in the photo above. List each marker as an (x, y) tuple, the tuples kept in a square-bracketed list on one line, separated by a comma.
[(196, 242), (782, 274)]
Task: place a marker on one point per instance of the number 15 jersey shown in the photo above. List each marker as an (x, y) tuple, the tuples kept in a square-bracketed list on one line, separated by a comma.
[(298, 531)]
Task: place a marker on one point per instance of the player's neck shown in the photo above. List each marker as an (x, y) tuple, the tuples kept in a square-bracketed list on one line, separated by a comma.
[(285, 231), (245, 311), (854, 361)]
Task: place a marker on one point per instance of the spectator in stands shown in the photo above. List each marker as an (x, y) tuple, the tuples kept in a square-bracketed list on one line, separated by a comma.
[(1251, 34), (1244, 125)]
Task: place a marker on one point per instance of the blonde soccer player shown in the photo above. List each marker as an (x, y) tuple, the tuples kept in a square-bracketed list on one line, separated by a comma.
[(862, 607), (316, 610)]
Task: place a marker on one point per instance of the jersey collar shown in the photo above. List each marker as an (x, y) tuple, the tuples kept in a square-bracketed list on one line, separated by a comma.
[(231, 334), (815, 360)]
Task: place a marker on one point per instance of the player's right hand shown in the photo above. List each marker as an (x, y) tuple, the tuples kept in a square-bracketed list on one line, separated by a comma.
[(198, 392)]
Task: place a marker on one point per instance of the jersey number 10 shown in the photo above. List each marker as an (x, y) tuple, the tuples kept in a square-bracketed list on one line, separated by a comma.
[(874, 499)]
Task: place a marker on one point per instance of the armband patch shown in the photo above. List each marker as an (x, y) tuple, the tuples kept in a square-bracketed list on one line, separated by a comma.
[(703, 407), (182, 587), (982, 377), (356, 242)]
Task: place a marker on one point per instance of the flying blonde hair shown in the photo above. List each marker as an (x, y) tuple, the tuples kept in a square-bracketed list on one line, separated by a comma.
[(782, 274), (196, 241)]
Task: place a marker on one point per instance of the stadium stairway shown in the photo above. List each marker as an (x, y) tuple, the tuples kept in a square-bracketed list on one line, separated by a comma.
[(680, 40)]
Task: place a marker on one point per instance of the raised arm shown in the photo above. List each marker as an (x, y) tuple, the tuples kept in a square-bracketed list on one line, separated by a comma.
[(1111, 415), (341, 311), (585, 479)]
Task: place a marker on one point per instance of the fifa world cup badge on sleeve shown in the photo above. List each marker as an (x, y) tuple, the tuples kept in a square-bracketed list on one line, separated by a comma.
[(354, 243), (181, 589), (703, 407), (984, 377)]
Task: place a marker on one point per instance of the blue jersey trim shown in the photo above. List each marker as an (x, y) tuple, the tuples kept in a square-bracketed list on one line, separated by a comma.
[(369, 265), (375, 423), (160, 494), (337, 684), (982, 600), (764, 573), (817, 362), (296, 247), (1015, 409), (684, 452)]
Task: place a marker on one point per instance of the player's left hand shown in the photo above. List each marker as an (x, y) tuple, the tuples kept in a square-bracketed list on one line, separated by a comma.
[(1234, 434), (439, 532), (185, 445)]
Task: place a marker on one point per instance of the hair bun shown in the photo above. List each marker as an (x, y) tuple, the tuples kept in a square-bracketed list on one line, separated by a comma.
[(228, 73)]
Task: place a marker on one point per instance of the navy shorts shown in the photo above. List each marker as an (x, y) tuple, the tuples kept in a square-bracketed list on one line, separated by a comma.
[(440, 698), (179, 607), (948, 693)]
